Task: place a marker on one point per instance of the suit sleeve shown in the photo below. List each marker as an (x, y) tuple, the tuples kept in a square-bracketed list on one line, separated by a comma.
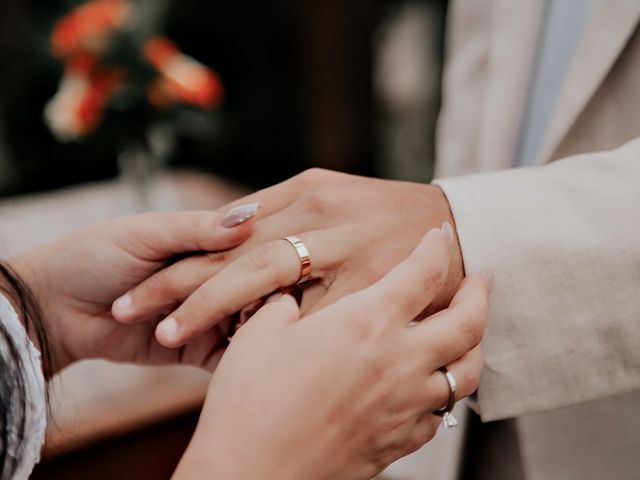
[(564, 243)]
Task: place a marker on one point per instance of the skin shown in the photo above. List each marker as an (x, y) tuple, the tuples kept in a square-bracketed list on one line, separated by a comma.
[(347, 390), (355, 228), (77, 278)]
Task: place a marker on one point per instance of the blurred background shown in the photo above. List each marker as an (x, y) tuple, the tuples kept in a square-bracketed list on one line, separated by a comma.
[(345, 85), (110, 107)]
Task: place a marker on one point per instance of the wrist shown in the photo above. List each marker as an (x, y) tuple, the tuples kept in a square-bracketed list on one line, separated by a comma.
[(221, 445), (31, 270)]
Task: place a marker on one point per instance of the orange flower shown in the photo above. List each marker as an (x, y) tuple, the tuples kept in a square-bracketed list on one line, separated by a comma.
[(182, 78), (82, 37), (78, 106), (88, 27)]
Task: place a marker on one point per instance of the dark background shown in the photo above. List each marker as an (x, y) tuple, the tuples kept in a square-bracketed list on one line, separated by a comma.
[(297, 75)]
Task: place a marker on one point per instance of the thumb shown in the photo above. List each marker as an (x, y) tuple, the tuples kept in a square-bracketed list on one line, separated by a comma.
[(279, 311), (161, 235)]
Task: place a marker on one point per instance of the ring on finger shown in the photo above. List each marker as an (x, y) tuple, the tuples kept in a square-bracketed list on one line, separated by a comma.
[(303, 256), (448, 419)]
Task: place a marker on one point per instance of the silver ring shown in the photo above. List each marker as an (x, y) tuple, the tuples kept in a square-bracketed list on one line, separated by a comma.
[(448, 419), (303, 255)]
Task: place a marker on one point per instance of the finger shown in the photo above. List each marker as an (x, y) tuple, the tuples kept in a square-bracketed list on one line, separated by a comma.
[(466, 372), (163, 291), (156, 236), (410, 287), (260, 272), (279, 311), (450, 334), (205, 350)]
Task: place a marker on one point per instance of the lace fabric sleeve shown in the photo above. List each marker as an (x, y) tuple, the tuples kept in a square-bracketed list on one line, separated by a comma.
[(24, 398)]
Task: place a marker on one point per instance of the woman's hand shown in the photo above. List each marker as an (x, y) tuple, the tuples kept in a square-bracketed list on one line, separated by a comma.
[(349, 389), (77, 278), (355, 228)]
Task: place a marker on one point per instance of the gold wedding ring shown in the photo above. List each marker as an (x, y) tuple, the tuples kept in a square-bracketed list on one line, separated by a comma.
[(303, 255)]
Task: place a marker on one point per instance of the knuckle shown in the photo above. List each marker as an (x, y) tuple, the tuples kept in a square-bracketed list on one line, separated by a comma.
[(476, 299), (472, 327), (201, 226), (217, 258), (361, 328), (164, 284), (365, 328), (435, 274), (260, 258), (438, 351), (199, 311), (317, 203), (470, 380), (313, 175)]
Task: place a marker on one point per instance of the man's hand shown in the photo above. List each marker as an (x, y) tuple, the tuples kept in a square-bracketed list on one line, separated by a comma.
[(77, 278), (355, 228)]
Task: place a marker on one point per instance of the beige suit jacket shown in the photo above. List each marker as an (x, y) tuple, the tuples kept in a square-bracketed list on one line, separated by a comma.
[(563, 238)]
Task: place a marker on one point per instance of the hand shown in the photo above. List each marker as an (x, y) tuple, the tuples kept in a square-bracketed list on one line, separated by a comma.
[(347, 390), (76, 279), (355, 228)]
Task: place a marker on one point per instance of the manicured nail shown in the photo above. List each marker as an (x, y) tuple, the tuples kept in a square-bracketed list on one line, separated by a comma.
[(436, 231), (487, 276), (239, 215), (168, 328), (124, 304), (448, 229)]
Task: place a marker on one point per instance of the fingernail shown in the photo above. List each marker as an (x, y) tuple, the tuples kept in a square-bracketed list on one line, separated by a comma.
[(239, 215), (437, 231), (124, 304), (274, 298), (448, 230), (487, 276), (168, 328)]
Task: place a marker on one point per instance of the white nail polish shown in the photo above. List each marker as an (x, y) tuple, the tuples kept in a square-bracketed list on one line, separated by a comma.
[(168, 328), (435, 231), (239, 215), (448, 230)]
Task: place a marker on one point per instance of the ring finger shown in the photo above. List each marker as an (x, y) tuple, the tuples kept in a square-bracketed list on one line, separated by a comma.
[(261, 271), (466, 372)]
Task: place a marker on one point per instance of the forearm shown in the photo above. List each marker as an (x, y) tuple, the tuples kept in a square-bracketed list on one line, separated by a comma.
[(562, 241)]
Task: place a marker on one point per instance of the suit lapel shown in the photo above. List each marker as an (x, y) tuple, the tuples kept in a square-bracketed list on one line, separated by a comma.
[(515, 27), (606, 33)]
